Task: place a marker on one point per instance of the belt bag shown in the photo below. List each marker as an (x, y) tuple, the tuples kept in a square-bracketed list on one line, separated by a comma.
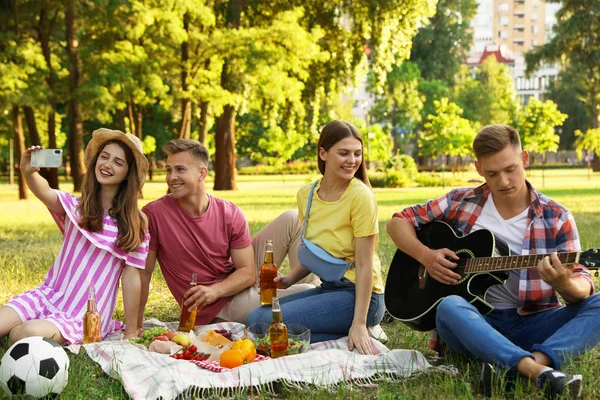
[(317, 260)]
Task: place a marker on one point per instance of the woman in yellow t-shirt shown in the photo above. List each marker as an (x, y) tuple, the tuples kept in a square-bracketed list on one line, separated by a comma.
[(342, 221)]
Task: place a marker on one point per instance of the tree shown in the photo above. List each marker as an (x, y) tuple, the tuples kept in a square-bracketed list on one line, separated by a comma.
[(490, 97), (575, 45), (446, 133), (537, 122), (74, 104), (377, 143), (21, 68), (569, 93), (401, 103), (590, 142), (47, 16), (441, 46), (383, 28)]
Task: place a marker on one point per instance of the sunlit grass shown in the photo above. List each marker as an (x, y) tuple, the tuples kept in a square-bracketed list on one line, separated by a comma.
[(29, 241)]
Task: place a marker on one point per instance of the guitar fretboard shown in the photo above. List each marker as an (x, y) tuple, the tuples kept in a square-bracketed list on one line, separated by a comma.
[(490, 264)]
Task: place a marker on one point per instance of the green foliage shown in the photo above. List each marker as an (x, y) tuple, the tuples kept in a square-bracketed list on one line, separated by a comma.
[(440, 47), (377, 142), (537, 123), (389, 179), (569, 92), (575, 45), (590, 142), (401, 103), (149, 144), (403, 163), (490, 97), (294, 168), (446, 132), (429, 180), (431, 90)]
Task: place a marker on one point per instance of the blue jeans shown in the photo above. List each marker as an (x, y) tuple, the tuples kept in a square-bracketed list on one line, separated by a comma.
[(503, 337), (327, 310)]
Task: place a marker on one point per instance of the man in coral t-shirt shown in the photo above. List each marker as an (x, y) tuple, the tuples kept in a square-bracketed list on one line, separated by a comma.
[(194, 232)]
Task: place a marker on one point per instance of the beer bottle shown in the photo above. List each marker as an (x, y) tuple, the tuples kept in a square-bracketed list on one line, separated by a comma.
[(267, 275), (278, 332), (187, 319), (91, 320)]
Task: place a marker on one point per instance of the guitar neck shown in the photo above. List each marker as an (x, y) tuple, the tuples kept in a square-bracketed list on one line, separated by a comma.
[(507, 263)]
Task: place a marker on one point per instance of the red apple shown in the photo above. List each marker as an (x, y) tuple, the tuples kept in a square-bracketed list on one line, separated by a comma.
[(170, 334), (161, 338)]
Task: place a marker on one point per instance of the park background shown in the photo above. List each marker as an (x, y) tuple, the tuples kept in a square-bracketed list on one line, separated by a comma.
[(255, 81)]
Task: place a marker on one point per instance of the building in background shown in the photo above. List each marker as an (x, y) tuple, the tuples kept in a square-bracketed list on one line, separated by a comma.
[(508, 29)]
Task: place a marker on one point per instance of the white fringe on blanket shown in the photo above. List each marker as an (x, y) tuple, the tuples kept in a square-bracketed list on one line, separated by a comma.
[(149, 375)]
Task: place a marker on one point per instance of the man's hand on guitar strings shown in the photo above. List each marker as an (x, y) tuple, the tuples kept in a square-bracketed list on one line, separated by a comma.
[(554, 273), (438, 264)]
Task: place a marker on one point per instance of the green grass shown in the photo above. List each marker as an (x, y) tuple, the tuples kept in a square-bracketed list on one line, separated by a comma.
[(29, 241)]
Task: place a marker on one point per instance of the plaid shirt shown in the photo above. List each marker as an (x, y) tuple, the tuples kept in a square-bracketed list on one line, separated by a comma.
[(550, 227)]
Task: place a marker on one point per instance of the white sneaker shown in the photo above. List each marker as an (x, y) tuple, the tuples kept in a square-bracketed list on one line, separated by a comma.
[(377, 332)]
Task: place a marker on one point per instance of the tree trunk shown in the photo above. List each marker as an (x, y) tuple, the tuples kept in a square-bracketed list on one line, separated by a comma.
[(120, 116), (225, 132), (203, 126), (595, 124), (74, 106), (44, 33), (139, 117), (19, 147), (34, 135), (186, 103), (130, 116), (225, 150)]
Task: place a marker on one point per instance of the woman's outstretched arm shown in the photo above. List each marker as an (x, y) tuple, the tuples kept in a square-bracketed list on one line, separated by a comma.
[(37, 184)]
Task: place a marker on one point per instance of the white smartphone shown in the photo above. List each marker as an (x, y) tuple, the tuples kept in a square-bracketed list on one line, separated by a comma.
[(47, 158)]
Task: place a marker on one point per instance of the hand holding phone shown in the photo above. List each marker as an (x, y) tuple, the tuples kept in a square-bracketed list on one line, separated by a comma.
[(46, 158)]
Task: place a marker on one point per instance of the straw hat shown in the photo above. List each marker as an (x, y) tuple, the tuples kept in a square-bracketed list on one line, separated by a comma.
[(103, 135)]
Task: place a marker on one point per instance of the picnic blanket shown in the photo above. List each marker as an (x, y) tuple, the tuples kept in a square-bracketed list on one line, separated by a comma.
[(148, 375)]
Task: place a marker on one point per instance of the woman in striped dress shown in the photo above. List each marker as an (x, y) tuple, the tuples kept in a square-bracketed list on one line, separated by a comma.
[(105, 239)]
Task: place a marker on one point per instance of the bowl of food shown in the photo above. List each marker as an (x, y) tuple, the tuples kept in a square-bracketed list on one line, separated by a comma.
[(298, 338)]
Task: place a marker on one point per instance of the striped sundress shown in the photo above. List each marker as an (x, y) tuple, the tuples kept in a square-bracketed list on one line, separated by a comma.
[(85, 259)]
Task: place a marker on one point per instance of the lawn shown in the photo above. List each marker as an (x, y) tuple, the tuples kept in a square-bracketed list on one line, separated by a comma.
[(29, 241)]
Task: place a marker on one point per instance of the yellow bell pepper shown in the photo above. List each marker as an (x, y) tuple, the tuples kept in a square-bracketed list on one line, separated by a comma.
[(246, 346)]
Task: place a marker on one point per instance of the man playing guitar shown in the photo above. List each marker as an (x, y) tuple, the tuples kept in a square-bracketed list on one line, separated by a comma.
[(529, 331)]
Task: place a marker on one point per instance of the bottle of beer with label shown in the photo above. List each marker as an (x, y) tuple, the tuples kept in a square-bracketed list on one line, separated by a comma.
[(278, 332), (266, 276), (91, 320), (187, 319)]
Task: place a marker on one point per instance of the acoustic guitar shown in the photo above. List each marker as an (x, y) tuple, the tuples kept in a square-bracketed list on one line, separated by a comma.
[(412, 296)]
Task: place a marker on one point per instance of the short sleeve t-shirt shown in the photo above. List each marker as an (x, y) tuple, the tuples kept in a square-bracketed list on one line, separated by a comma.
[(511, 232), (334, 225), (185, 244)]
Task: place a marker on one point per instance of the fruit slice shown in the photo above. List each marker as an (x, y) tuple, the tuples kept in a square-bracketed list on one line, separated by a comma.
[(183, 339), (215, 339)]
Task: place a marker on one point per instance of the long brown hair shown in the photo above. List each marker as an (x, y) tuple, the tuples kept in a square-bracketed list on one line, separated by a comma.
[(332, 133), (130, 222)]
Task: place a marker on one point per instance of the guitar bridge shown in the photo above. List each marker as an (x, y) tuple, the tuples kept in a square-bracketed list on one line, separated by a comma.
[(422, 277)]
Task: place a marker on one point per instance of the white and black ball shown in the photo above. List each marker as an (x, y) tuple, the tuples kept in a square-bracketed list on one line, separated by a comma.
[(34, 366)]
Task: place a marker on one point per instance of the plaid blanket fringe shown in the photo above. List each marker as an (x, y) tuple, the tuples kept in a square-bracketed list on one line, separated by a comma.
[(148, 375)]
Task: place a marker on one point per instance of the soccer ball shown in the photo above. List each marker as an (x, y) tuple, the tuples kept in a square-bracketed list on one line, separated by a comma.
[(34, 366)]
